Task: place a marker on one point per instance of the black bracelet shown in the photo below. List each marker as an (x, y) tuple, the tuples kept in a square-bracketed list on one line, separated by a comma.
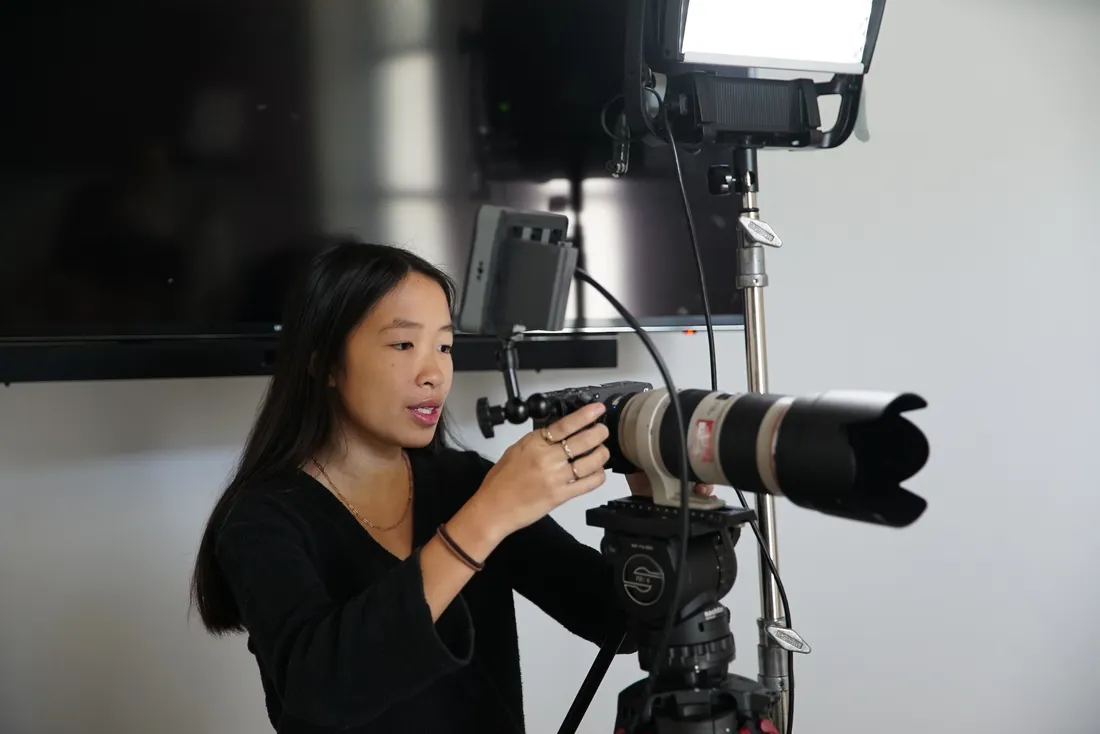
[(454, 548)]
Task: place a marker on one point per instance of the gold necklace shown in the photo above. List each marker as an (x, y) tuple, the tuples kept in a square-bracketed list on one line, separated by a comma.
[(362, 520)]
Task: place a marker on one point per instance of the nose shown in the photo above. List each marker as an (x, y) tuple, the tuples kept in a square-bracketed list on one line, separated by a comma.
[(431, 374)]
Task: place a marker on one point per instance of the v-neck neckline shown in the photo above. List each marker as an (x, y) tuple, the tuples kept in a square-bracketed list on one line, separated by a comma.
[(420, 522)]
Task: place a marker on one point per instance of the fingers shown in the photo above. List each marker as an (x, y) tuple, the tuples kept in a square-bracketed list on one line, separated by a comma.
[(572, 451), (581, 443), (590, 464), (575, 421), (588, 482), (704, 490)]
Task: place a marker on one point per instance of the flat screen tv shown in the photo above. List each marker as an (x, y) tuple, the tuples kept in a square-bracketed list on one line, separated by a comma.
[(167, 166)]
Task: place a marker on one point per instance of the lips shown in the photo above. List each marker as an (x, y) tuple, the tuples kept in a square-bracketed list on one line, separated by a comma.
[(426, 413)]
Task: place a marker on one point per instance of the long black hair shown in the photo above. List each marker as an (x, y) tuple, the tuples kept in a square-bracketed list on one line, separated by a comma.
[(300, 410)]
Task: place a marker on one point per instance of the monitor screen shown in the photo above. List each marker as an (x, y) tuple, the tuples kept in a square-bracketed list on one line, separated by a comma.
[(168, 166)]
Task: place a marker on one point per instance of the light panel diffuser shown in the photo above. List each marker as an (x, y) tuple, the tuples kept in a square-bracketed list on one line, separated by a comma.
[(799, 35)]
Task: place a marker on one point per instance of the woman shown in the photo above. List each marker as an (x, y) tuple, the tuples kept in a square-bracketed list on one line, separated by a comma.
[(372, 567)]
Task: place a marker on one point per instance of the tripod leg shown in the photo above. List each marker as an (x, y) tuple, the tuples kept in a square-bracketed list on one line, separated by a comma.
[(592, 683)]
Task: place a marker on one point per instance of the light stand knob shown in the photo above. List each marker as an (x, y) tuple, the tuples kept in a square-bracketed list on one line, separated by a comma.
[(719, 180)]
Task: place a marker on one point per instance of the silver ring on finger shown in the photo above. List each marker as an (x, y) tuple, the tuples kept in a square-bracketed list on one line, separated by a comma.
[(568, 451), (573, 468)]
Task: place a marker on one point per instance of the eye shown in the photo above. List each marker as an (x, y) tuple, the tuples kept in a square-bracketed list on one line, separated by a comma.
[(402, 346), (446, 348)]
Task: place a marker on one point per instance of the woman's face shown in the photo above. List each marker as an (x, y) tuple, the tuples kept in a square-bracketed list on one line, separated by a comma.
[(397, 367)]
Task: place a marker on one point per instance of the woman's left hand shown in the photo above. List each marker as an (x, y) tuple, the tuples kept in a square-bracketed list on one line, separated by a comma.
[(640, 486)]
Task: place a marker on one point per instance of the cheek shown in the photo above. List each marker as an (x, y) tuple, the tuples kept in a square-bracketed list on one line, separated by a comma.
[(369, 393)]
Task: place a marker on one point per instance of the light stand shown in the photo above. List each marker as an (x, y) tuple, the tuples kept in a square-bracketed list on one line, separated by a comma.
[(694, 692), (753, 235), (722, 108)]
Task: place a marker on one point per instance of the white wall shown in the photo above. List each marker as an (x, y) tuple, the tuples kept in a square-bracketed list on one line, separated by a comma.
[(953, 256)]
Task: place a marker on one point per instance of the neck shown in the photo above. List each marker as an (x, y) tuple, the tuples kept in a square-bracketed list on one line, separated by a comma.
[(359, 457)]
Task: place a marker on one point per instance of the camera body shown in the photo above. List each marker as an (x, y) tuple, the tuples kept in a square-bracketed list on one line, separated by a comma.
[(614, 396)]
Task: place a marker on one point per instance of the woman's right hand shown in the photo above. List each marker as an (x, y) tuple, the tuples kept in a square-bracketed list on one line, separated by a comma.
[(545, 469)]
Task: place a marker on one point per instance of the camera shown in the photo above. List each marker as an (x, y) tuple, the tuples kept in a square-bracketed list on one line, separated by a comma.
[(842, 453), (614, 395)]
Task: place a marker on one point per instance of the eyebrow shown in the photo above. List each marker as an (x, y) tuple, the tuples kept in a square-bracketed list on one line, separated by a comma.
[(400, 323)]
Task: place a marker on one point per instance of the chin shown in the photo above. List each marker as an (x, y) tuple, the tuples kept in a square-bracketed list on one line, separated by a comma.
[(419, 439), (416, 437)]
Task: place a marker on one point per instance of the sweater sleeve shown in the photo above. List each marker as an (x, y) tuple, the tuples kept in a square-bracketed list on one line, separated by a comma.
[(570, 581), (334, 664)]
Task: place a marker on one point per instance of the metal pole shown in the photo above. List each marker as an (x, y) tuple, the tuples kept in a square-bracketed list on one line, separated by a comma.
[(752, 236)]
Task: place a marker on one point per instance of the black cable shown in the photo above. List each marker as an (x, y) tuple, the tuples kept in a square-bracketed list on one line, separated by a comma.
[(708, 319), (685, 473)]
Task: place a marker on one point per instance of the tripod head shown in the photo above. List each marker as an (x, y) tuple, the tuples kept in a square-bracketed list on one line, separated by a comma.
[(694, 691), (641, 541)]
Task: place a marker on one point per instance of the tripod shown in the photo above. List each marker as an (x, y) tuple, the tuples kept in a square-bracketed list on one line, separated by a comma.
[(694, 692)]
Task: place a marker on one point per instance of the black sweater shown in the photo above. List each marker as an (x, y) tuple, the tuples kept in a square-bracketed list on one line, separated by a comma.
[(342, 632)]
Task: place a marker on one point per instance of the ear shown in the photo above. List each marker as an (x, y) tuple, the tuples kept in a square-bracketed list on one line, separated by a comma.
[(313, 370)]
